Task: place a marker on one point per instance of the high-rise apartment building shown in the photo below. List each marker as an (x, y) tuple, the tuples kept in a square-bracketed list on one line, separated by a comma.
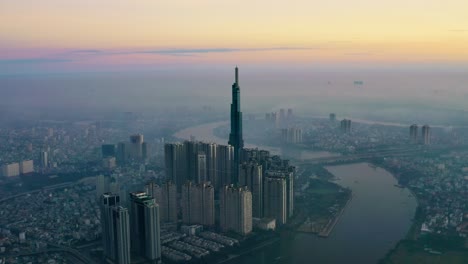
[(166, 197), (210, 152), (197, 204), (288, 175), (175, 157), (107, 202), (275, 199), (191, 150), (26, 166), (11, 170), (236, 209), (198, 162), (145, 226), (251, 175), (201, 175), (225, 161), (121, 229)]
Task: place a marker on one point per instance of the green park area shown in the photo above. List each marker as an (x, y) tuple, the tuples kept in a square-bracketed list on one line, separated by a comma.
[(319, 204)]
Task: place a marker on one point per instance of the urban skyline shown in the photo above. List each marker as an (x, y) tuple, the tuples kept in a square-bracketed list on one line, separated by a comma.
[(137, 232), (125, 139)]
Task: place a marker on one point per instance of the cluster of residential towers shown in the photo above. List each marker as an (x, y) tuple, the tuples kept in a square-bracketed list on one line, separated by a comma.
[(248, 183)]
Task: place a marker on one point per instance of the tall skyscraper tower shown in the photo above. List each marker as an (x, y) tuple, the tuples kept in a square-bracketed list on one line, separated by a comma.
[(121, 230), (235, 137), (108, 201), (145, 226)]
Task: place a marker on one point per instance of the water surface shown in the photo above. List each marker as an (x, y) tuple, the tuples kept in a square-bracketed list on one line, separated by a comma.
[(378, 216)]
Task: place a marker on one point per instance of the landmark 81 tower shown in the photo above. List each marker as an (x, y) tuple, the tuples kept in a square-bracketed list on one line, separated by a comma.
[(235, 137)]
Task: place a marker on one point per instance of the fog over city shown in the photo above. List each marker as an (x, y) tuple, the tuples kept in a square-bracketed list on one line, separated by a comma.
[(390, 95)]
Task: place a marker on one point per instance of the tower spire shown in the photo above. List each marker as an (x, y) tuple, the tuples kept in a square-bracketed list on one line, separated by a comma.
[(237, 75)]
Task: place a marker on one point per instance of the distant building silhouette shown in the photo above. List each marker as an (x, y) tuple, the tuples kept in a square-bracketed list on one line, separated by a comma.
[(426, 135), (290, 115), (122, 153), (414, 133), (136, 146), (145, 150), (108, 150), (345, 125), (44, 159), (291, 135)]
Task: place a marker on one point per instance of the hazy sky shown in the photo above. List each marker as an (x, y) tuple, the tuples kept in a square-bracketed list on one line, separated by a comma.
[(101, 35)]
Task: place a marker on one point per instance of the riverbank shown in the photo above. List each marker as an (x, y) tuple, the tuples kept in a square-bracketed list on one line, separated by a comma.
[(320, 205), (331, 225)]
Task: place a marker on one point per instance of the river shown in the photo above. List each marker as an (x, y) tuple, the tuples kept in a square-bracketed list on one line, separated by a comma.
[(378, 216)]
